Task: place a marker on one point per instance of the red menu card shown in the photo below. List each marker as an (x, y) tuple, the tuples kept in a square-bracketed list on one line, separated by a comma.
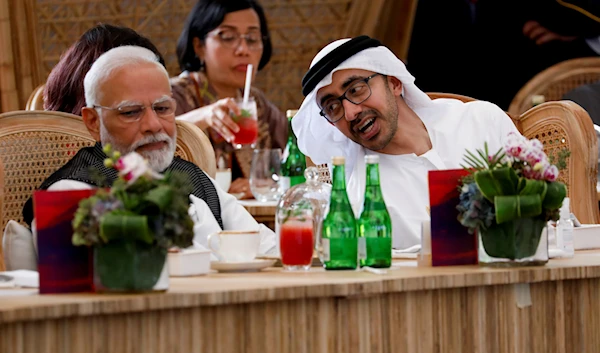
[(451, 243), (62, 266)]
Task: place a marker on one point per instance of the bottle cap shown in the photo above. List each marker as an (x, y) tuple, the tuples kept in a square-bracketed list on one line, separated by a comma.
[(290, 113), (338, 160), (371, 159)]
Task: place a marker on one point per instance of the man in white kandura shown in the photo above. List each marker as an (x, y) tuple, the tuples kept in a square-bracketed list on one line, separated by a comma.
[(360, 99), (129, 105)]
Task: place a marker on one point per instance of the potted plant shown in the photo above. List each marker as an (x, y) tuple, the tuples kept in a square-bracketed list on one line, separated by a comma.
[(132, 224), (508, 198)]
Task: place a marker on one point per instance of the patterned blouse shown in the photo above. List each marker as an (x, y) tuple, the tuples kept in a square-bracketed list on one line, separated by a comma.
[(192, 91)]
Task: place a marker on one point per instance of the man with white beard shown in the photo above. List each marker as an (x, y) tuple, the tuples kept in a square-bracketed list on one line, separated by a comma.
[(129, 106)]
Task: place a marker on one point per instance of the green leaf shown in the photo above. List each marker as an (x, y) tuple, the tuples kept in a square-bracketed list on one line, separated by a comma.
[(117, 225), (244, 113), (533, 187), (555, 194), (160, 196), (501, 181), (474, 161), (512, 207), (484, 156)]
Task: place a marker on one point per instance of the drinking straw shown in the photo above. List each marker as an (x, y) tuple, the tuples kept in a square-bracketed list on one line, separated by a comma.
[(247, 85)]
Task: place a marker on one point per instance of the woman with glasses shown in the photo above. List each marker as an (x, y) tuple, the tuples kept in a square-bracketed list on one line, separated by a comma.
[(220, 38)]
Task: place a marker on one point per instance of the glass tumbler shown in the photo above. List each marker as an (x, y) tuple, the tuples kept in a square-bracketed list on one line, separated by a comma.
[(265, 175)]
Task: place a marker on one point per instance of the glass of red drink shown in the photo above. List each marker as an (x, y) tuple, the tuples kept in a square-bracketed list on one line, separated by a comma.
[(296, 243), (247, 122)]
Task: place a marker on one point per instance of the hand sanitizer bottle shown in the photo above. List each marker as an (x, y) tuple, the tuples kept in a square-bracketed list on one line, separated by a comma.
[(564, 231)]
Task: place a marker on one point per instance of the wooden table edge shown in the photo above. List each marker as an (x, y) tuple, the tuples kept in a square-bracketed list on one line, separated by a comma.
[(348, 284)]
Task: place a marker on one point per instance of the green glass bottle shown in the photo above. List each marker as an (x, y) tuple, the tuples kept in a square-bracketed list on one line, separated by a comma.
[(339, 239), (374, 224), (294, 161)]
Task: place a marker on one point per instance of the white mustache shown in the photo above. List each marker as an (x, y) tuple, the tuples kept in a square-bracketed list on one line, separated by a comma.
[(160, 137)]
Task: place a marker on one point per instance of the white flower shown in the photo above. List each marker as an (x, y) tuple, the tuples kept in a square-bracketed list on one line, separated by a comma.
[(536, 144), (133, 165), (515, 145)]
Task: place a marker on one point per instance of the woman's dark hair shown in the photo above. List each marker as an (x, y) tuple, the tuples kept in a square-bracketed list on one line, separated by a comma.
[(208, 15), (64, 88)]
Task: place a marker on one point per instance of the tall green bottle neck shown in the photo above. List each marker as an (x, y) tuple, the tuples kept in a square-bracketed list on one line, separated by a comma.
[(373, 186), (291, 136), (373, 175), (339, 178)]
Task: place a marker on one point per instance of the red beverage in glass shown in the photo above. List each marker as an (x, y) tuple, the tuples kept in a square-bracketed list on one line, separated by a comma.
[(247, 122), (248, 131), (296, 244)]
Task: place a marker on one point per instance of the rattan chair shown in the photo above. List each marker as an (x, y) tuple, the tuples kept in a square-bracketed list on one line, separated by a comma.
[(555, 81), (565, 124), (34, 144), (558, 125), (36, 99), (460, 97)]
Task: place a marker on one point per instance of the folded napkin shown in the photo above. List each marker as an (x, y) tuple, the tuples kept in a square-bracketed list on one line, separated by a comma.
[(408, 253), (256, 203), (19, 278)]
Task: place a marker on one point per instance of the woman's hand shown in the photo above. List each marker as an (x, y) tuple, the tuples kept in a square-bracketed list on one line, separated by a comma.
[(239, 186), (216, 116)]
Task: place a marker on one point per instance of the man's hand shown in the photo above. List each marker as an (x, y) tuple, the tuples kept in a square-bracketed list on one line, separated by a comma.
[(542, 35)]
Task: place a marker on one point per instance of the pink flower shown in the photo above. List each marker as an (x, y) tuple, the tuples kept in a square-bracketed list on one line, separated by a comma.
[(535, 163), (515, 151), (550, 173), (132, 166)]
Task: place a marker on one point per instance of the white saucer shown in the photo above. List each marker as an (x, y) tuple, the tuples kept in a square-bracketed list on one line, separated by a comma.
[(250, 266)]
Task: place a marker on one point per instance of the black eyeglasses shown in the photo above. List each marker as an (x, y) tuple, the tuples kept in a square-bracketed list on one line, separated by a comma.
[(358, 92)]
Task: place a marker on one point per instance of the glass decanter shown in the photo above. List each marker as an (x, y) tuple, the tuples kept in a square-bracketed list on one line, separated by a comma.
[(298, 219)]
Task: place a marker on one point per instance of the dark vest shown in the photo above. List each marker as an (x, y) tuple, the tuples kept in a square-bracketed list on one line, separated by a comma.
[(88, 160)]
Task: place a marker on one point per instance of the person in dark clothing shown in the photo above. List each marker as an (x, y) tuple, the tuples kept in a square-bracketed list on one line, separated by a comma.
[(488, 49), (129, 105)]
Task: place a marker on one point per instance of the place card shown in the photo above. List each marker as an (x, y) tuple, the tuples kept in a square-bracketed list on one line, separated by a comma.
[(451, 243), (62, 267)]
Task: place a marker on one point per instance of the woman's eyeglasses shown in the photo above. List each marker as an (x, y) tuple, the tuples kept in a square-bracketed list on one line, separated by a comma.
[(232, 39)]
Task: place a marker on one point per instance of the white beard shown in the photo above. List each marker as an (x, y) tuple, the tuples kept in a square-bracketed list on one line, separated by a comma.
[(158, 160)]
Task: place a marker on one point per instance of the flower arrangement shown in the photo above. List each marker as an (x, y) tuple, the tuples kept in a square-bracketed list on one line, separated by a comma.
[(509, 196), (140, 217)]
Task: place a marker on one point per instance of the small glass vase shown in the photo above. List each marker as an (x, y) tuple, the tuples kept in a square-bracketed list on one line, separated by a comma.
[(520, 242), (130, 266)]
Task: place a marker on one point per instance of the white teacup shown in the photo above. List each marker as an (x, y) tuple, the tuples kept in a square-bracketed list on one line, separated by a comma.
[(223, 178), (235, 245)]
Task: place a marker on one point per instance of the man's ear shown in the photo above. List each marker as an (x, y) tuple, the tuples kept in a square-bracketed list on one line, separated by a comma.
[(198, 48), (92, 121), (395, 85)]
